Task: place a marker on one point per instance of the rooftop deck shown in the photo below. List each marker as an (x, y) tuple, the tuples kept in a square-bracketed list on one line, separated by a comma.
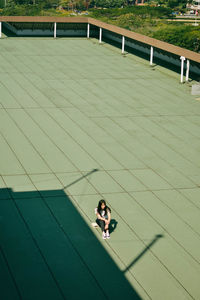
[(80, 122)]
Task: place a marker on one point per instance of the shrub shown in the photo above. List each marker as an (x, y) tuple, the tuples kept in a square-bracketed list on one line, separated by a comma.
[(184, 36)]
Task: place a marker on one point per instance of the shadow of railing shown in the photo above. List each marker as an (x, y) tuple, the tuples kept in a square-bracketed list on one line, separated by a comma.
[(147, 248), (7, 32), (79, 179), (48, 251)]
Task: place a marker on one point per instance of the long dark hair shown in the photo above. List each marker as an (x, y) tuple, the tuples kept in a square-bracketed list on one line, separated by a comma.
[(106, 207)]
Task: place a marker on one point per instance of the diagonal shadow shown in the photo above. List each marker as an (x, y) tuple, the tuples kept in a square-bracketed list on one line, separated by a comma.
[(82, 177), (48, 251), (147, 248)]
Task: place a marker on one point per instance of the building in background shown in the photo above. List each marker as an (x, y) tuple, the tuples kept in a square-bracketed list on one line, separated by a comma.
[(194, 6)]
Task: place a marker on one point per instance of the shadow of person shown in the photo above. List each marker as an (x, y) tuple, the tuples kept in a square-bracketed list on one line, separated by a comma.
[(113, 225)]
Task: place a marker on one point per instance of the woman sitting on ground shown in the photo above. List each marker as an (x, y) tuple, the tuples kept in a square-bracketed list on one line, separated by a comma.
[(103, 213)]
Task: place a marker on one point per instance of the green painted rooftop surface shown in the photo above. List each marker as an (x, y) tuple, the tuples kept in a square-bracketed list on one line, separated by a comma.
[(80, 122)]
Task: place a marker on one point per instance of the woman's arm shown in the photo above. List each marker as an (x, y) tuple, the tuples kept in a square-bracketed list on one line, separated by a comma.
[(109, 216), (100, 217)]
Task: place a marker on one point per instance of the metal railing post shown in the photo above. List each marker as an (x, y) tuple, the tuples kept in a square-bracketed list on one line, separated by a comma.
[(123, 44), (188, 70), (100, 35), (182, 58), (151, 56), (54, 30), (88, 30)]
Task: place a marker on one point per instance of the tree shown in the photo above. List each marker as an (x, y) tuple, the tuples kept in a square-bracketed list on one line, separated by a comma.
[(2, 3), (108, 3)]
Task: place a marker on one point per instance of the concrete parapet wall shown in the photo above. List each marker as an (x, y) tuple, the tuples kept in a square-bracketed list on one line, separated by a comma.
[(40, 32), (46, 32), (164, 56)]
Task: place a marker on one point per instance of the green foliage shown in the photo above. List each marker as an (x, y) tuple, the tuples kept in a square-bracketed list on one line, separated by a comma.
[(133, 22), (169, 3), (22, 10), (108, 3), (173, 3), (184, 36), (156, 12), (81, 5), (2, 3)]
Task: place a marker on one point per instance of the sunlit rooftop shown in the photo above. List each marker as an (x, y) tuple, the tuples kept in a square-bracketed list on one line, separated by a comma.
[(80, 122)]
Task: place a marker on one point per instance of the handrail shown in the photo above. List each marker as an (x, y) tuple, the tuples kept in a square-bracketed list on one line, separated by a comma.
[(147, 40)]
